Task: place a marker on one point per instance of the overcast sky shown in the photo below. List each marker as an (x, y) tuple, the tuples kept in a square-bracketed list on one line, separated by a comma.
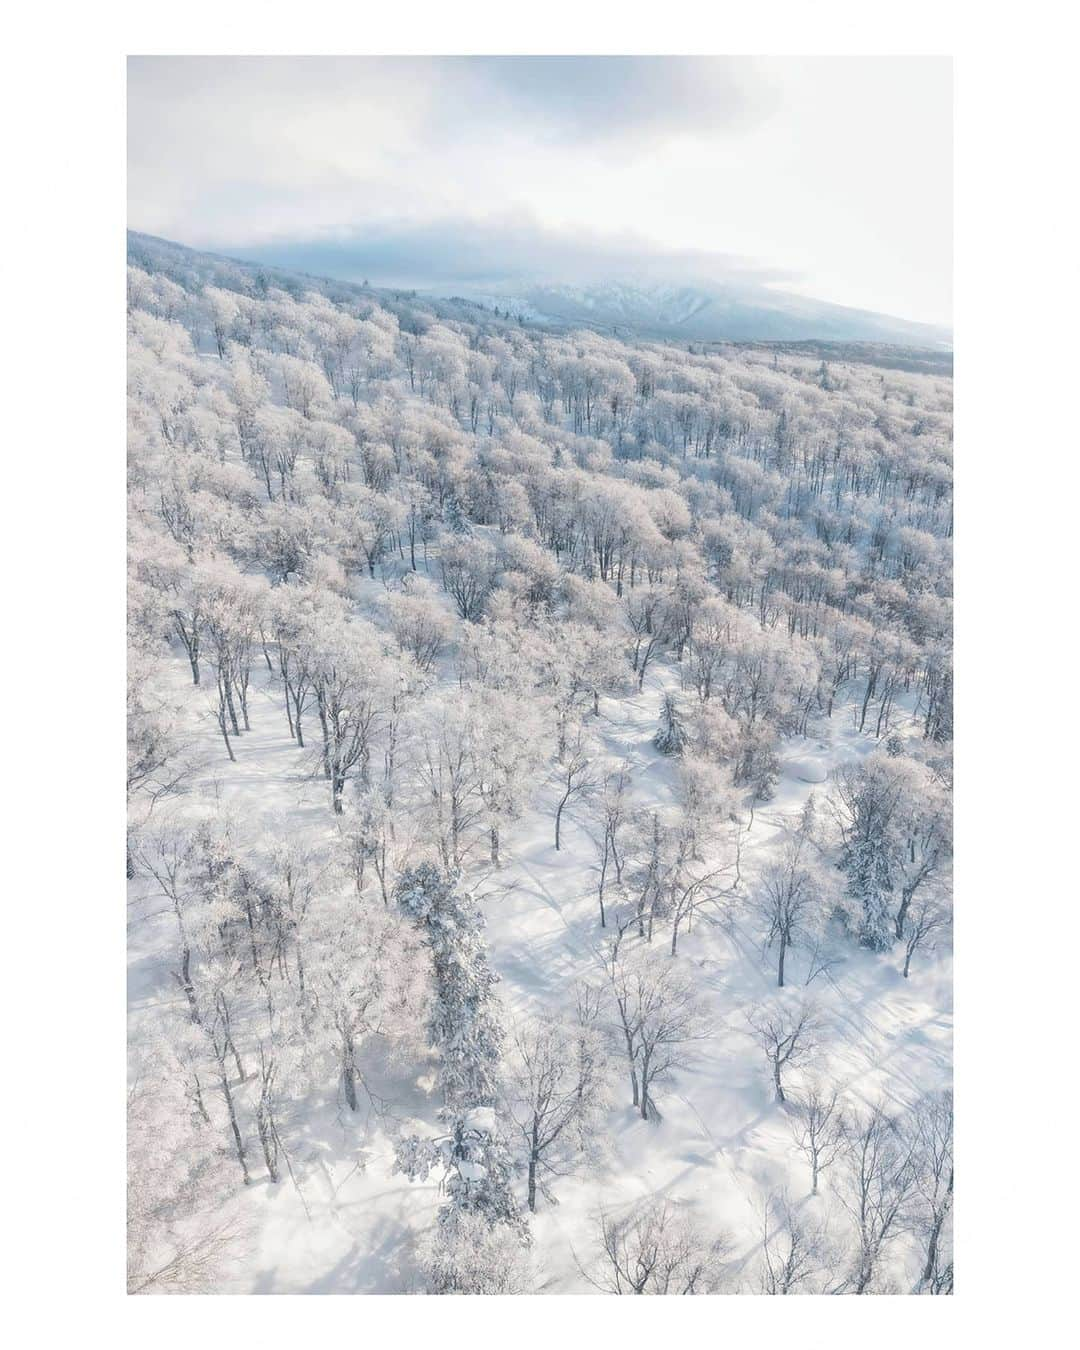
[(829, 176)]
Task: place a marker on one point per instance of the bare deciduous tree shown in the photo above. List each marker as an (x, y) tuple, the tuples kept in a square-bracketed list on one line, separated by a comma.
[(791, 1250), (555, 1081), (575, 777), (611, 816), (933, 1139), (658, 1018), (925, 918), (787, 901), (786, 1035), (876, 1187), (657, 1249), (819, 1130)]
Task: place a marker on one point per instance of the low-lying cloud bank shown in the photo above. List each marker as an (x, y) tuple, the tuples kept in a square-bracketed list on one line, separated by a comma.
[(580, 277)]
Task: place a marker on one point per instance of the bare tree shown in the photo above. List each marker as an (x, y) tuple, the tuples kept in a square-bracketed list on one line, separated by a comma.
[(219, 1037), (555, 1079), (786, 1035), (819, 1130), (791, 1250), (194, 1265), (921, 922), (924, 827), (689, 894), (787, 901), (611, 817), (933, 1141), (575, 777), (876, 1188), (658, 1018), (657, 1249)]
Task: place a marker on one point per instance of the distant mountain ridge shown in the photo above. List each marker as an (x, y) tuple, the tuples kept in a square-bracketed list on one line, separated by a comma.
[(703, 313), (661, 297)]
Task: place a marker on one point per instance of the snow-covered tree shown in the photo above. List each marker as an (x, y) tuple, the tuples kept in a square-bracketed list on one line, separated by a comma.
[(671, 736), (465, 1026)]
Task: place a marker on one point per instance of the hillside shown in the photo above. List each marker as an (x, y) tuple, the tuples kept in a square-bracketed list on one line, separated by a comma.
[(539, 772)]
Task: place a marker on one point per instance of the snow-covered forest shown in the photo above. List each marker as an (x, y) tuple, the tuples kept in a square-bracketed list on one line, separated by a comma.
[(539, 784)]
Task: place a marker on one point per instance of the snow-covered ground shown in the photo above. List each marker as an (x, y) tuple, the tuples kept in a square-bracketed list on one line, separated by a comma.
[(722, 1145)]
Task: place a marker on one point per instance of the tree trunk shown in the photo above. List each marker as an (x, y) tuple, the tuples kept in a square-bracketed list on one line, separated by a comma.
[(935, 1235), (533, 1158), (230, 704), (901, 914), (238, 1141), (348, 1073), (225, 730), (633, 1068), (266, 1139)]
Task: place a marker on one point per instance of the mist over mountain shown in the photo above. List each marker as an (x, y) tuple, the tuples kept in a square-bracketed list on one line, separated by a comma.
[(705, 313), (612, 284)]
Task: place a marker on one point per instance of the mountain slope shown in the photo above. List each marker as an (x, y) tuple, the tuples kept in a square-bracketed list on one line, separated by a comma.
[(704, 313)]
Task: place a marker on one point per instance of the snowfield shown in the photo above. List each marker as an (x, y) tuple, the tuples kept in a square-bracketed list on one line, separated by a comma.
[(722, 1146)]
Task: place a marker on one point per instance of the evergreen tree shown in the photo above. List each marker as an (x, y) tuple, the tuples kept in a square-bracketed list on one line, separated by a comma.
[(465, 1028), (671, 737), (465, 1025), (477, 1168), (457, 522)]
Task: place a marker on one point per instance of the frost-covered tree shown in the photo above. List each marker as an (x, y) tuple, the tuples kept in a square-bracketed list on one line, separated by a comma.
[(932, 1129), (420, 624), (471, 1257), (671, 736), (475, 1164), (927, 917), (895, 826), (575, 777), (352, 675), (465, 1026)]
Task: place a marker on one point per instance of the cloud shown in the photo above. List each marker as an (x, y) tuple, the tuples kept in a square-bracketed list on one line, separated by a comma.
[(440, 253), (602, 98), (836, 170)]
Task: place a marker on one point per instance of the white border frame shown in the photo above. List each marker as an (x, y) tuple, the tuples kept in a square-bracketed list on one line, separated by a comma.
[(63, 339)]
